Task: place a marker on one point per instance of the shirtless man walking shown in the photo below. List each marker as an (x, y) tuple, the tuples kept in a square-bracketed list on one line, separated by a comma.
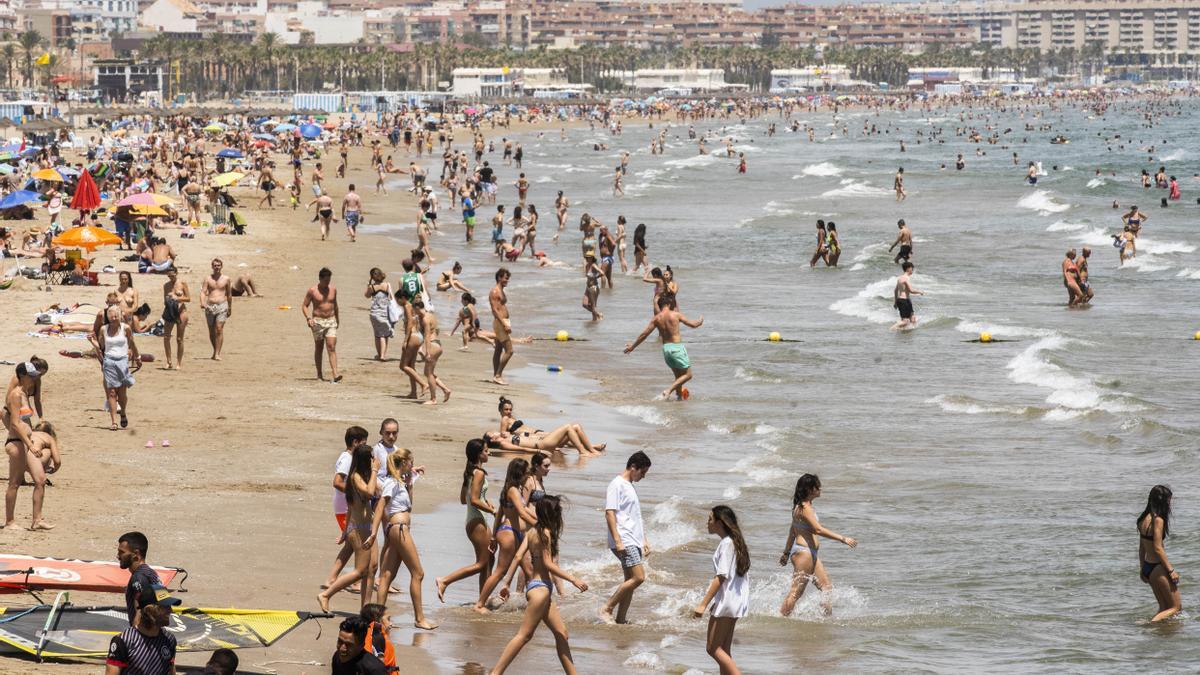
[(898, 185), (318, 176), (674, 352), (216, 300), (902, 298), (501, 326), (320, 309), (191, 194), (904, 240), (175, 316), (352, 212)]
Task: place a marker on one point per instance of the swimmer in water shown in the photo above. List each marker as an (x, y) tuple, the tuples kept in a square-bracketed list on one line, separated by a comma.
[(822, 252), (904, 239), (902, 298)]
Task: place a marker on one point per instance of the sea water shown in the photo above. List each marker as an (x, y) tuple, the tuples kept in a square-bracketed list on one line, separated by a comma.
[(992, 488)]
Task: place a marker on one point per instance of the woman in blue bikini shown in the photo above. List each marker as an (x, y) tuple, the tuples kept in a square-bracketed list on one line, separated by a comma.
[(514, 518), (542, 546), (801, 547)]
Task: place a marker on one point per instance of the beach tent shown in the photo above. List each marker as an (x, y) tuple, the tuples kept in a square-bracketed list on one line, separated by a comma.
[(18, 198)]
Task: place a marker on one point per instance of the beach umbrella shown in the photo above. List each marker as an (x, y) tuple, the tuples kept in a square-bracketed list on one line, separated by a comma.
[(145, 199), (215, 127), (18, 198), (6, 169), (310, 130), (265, 137), (147, 210), (48, 174), (86, 195), (86, 238), (230, 153), (68, 171), (261, 143), (285, 127), (228, 178)]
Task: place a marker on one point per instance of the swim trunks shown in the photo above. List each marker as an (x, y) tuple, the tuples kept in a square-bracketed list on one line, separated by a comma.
[(676, 356), (352, 218), (905, 307), (905, 251), (324, 327), (501, 332), (217, 313), (632, 557), (469, 220)]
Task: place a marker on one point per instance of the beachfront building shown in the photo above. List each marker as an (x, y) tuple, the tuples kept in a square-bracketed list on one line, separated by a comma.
[(1138, 26), (809, 78), (93, 19), (52, 23), (126, 79), (175, 16), (8, 16), (500, 82)]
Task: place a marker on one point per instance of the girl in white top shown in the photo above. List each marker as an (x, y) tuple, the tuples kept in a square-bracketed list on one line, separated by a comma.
[(398, 546), (728, 595), (119, 358)]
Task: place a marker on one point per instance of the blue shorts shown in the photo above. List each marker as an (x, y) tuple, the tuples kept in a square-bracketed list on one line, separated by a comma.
[(352, 218)]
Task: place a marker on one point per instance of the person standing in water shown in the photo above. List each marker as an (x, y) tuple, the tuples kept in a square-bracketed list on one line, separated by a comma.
[(905, 240), (1082, 267), (1070, 277), (626, 534), (802, 546), (898, 185), (728, 595), (902, 299), (666, 322), (1153, 527), (822, 253), (474, 495)]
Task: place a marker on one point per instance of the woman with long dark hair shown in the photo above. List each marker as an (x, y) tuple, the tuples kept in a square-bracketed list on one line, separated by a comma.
[(1153, 527), (802, 544), (728, 596), (541, 543), (639, 248), (474, 495), (362, 522), (509, 531)]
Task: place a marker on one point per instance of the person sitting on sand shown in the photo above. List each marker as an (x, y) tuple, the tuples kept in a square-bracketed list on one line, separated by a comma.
[(244, 285), (450, 280)]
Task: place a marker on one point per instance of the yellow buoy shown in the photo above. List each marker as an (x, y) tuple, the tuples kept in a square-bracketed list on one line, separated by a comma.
[(562, 336), (774, 337), (985, 337), (1196, 336)]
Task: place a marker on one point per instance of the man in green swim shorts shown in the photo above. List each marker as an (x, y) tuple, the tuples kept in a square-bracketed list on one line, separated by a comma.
[(674, 352)]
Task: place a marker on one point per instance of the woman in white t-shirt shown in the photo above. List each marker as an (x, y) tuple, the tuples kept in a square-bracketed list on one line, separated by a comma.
[(728, 595), (396, 502)]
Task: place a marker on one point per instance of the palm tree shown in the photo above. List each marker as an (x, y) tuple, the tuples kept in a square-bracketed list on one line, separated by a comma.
[(269, 44), (9, 54), (29, 41)]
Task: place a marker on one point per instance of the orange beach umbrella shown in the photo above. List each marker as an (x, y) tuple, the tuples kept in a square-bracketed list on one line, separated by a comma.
[(87, 238)]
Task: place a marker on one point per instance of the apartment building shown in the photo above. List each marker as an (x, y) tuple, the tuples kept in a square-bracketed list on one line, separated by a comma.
[(92, 19), (1140, 26)]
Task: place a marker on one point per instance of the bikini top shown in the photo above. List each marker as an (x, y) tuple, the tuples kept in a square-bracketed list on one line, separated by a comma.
[(536, 496), (1143, 535), (517, 424)]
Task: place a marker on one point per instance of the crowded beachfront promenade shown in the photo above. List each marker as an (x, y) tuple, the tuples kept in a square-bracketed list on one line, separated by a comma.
[(565, 386)]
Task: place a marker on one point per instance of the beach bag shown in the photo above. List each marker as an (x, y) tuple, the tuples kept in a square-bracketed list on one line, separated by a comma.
[(394, 312)]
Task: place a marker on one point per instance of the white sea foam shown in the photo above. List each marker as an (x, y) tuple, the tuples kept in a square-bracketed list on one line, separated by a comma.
[(731, 493), (691, 162), (775, 208), (1096, 182), (961, 404), (1068, 392), (822, 169), (645, 413), (1189, 273), (873, 303), (1042, 202), (1064, 226), (853, 188), (1000, 331), (719, 428), (666, 526), (644, 661), (1173, 156)]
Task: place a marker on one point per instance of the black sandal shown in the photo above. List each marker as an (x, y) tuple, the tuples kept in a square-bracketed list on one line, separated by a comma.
[(124, 419)]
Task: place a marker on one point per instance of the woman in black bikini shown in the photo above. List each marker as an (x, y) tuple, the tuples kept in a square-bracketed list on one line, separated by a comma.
[(1153, 527), (18, 416), (639, 248), (514, 436)]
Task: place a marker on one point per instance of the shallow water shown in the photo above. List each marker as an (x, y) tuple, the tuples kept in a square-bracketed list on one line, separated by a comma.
[(993, 488)]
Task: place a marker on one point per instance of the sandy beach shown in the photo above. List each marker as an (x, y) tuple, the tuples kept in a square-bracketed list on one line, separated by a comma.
[(241, 498)]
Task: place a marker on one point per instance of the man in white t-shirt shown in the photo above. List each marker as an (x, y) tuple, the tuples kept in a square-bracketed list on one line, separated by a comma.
[(355, 436), (626, 534)]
